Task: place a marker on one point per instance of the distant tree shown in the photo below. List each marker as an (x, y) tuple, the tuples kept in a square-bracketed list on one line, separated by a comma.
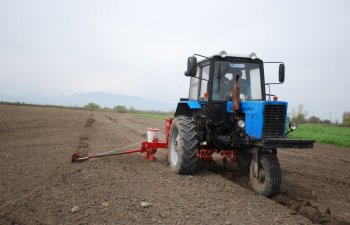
[(346, 119), (92, 106), (299, 116), (132, 109), (314, 119), (326, 121), (120, 109)]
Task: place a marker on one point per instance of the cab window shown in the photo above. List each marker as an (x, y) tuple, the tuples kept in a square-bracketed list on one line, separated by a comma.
[(203, 95), (224, 78), (194, 86)]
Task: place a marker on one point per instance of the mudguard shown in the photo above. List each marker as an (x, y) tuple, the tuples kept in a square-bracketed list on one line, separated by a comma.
[(186, 107)]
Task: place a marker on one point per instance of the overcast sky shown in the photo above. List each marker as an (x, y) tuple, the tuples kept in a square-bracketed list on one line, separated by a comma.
[(141, 47)]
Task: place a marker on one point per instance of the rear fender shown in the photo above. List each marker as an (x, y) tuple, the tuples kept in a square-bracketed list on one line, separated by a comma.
[(186, 108)]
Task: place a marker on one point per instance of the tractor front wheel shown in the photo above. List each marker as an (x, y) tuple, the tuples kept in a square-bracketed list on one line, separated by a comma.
[(267, 181), (183, 145)]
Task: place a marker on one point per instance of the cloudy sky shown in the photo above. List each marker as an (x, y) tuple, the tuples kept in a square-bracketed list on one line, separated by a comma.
[(140, 47)]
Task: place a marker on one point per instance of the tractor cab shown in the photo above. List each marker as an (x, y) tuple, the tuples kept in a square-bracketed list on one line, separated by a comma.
[(212, 87), (215, 77)]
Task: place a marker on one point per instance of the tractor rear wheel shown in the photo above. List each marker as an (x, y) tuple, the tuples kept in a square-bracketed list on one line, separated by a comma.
[(268, 179), (183, 145)]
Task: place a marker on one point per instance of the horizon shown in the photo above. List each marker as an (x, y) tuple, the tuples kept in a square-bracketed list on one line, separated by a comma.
[(290, 110)]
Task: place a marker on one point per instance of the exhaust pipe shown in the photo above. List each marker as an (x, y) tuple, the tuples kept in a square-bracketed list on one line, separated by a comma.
[(235, 95)]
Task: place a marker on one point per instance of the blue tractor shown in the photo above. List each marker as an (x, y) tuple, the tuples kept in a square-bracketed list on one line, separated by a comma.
[(228, 111)]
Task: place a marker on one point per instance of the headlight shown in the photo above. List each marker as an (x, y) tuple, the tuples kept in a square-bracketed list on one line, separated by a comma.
[(241, 123), (223, 54), (292, 126), (253, 55)]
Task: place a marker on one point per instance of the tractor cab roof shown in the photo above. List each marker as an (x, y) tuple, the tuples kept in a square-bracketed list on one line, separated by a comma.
[(224, 54)]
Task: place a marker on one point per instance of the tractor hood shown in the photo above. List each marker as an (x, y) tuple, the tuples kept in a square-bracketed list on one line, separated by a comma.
[(264, 119)]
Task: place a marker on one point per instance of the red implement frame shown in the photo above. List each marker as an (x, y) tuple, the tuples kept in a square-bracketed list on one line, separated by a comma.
[(147, 148), (228, 156)]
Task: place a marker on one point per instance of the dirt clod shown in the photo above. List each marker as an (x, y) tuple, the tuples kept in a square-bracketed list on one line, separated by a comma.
[(105, 204), (75, 209), (89, 122), (145, 204)]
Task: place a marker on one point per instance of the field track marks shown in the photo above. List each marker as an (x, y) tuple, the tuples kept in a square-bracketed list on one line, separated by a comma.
[(124, 126), (299, 205), (306, 208), (319, 178), (83, 143)]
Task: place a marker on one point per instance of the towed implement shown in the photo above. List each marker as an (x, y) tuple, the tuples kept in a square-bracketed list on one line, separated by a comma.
[(228, 112)]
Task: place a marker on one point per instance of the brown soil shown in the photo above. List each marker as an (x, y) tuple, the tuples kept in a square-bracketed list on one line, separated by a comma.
[(39, 184)]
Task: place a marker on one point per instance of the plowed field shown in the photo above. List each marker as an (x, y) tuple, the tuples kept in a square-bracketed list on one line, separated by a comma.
[(39, 184)]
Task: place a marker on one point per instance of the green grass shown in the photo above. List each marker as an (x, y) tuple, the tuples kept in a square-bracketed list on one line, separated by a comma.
[(323, 133), (161, 116)]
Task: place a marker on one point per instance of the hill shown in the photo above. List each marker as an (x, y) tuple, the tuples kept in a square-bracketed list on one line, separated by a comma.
[(101, 98)]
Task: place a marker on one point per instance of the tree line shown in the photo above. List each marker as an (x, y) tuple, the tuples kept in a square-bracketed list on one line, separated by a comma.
[(299, 116), (119, 109)]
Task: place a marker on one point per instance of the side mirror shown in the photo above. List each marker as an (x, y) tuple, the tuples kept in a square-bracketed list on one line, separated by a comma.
[(191, 67), (281, 73)]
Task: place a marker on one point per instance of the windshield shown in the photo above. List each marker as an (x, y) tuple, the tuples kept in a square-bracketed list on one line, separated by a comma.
[(249, 80)]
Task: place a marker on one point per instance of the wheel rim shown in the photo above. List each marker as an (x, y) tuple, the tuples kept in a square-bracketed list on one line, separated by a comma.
[(261, 176), (174, 148), (260, 179)]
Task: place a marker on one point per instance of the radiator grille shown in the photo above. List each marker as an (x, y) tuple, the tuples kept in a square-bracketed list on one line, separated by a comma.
[(274, 121)]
